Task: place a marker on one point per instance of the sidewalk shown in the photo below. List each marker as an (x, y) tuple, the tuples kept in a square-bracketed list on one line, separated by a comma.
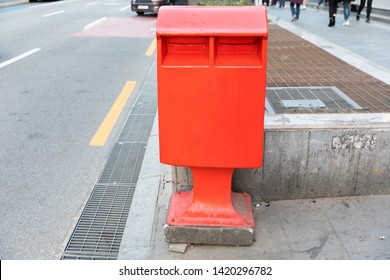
[(327, 228), (364, 41)]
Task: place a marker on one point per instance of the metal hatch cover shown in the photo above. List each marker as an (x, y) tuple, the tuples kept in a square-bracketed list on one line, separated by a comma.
[(287, 100)]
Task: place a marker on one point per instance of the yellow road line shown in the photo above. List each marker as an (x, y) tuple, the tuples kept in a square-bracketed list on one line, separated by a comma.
[(151, 48), (105, 128)]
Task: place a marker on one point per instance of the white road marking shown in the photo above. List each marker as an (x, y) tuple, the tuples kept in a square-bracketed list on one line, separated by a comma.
[(93, 24), (19, 57), (54, 13), (125, 8), (52, 4)]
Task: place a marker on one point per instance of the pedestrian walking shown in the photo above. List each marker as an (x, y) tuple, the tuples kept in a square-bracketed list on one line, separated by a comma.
[(362, 4), (295, 7), (304, 4), (347, 11), (318, 5), (332, 12), (281, 3)]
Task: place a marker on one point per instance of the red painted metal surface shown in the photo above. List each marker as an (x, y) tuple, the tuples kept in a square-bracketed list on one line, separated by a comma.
[(211, 202), (211, 67)]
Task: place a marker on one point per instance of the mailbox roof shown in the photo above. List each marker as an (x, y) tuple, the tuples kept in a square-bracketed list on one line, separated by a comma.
[(222, 21)]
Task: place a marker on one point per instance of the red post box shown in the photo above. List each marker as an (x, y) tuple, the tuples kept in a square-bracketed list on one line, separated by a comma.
[(211, 70)]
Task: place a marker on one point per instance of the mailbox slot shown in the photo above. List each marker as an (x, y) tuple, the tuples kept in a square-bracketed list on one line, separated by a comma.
[(238, 51), (185, 51)]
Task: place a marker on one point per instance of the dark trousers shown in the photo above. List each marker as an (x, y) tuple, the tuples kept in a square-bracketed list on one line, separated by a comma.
[(333, 8), (362, 4)]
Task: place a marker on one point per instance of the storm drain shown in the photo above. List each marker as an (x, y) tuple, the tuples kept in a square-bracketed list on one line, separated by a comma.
[(124, 164), (99, 230), (133, 130), (283, 100)]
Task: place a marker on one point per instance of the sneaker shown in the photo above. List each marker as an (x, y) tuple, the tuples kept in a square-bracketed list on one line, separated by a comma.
[(303, 7), (294, 19), (357, 17), (317, 8), (346, 23)]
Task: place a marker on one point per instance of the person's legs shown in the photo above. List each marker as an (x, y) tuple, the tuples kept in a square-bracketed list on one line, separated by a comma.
[(292, 8), (369, 4), (362, 4), (346, 9), (318, 5), (332, 12), (298, 10)]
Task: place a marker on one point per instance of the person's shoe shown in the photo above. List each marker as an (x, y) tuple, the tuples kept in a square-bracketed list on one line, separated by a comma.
[(294, 19), (317, 8), (357, 17), (303, 7), (346, 23), (368, 20), (332, 22)]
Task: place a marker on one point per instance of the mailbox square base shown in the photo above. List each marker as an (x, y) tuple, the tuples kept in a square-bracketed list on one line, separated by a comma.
[(209, 235), (236, 211)]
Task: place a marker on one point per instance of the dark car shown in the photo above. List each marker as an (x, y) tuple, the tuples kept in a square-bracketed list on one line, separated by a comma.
[(143, 6)]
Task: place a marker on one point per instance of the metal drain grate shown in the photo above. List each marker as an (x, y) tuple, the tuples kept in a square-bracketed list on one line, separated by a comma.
[(144, 107), (134, 130), (124, 164), (100, 228), (308, 100), (98, 233)]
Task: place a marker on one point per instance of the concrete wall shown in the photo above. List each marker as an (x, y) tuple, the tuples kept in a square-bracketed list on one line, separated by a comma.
[(311, 156)]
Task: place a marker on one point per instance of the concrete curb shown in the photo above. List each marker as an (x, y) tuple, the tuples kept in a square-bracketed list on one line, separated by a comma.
[(327, 121), (137, 237)]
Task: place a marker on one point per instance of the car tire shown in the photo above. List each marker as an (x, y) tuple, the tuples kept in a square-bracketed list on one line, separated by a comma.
[(140, 13)]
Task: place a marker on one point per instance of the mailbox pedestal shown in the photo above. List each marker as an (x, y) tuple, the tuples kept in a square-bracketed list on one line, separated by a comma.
[(211, 69)]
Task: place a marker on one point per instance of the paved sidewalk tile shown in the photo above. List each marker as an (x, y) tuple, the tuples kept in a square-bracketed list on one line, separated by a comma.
[(295, 62)]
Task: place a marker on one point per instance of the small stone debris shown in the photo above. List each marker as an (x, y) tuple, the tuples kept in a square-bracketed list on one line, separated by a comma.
[(257, 206), (179, 247)]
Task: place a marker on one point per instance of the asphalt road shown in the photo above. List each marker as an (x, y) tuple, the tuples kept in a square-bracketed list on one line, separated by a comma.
[(63, 64)]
